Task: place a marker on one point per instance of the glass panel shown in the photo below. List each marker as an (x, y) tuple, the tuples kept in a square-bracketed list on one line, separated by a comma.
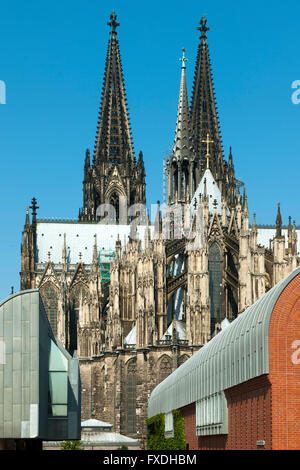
[(58, 386), (59, 410), (57, 361)]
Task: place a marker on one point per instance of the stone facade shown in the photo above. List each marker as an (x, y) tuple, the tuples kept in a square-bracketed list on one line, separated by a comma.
[(161, 296)]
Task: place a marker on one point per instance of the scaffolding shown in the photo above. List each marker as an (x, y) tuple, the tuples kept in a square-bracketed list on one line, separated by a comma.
[(106, 257)]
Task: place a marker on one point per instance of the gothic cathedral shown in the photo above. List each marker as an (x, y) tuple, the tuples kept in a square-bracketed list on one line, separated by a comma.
[(129, 297)]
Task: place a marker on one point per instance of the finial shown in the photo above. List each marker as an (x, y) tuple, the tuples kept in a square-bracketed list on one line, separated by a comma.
[(87, 158), (34, 207), (230, 157), (183, 59), (203, 28), (112, 23), (278, 222)]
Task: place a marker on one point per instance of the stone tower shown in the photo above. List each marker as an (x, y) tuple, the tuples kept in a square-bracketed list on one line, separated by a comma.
[(113, 180)]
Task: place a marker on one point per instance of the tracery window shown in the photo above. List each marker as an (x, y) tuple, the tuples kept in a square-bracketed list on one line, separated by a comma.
[(49, 296), (77, 295), (165, 368), (214, 267), (182, 359)]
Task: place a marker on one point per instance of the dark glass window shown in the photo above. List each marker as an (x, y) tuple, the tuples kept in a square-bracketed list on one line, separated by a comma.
[(214, 267)]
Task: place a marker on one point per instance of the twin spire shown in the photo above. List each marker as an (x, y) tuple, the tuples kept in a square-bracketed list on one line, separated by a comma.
[(197, 130), (204, 116), (113, 139)]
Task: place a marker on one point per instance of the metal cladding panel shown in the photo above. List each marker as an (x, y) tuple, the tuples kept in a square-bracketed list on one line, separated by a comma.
[(235, 355), (19, 365)]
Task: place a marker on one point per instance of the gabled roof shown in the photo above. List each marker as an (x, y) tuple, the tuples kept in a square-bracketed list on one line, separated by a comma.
[(213, 192), (95, 423)]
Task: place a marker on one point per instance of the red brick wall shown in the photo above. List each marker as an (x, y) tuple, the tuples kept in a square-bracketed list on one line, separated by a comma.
[(266, 408), (249, 414), (249, 419), (189, 414), (284, 373)]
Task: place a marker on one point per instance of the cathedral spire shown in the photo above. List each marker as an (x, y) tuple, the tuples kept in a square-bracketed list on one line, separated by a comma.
[(182, 143), (113, 140), (204, 116)]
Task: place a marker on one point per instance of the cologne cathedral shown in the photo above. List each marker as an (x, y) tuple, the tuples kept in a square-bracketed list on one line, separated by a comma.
[(132, 303)]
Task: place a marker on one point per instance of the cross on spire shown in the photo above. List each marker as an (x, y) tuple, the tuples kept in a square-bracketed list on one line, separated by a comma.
[(207, 142), (112, 23), (203, 28), (183, 59), (34, 207)]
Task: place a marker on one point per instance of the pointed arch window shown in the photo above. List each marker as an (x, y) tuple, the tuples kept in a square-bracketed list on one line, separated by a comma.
[(115, 202), (77, 295), (49, 295), (165, 368), (214, 267)]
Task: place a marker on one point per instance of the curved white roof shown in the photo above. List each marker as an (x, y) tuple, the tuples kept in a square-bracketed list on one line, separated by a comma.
[(236, 354)]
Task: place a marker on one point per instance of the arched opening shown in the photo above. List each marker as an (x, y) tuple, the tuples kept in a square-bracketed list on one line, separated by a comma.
[(77, 295), (185, 181), (165, 368), (49, 295), (115, 202)]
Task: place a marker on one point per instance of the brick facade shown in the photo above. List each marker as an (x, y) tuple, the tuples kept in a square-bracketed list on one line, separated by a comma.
[(266, 408), (284, 345)]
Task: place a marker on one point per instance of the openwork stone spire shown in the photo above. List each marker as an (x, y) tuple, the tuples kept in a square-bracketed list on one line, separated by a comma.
[(183, 142), (113, 178), (204, 116), (113, 140)]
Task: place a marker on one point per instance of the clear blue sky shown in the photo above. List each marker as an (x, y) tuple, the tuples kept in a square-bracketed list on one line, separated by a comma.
[(52, 57)]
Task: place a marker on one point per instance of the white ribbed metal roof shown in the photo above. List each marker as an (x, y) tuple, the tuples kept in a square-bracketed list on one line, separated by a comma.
[(80, 239), (235, 355), (264, 235)]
